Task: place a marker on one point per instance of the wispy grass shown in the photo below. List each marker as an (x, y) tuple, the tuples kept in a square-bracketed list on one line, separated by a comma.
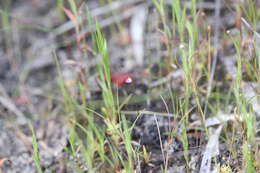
[(6, 23), (110, 110), (36, 154), (115, 136), (242, 111), (129, 164)]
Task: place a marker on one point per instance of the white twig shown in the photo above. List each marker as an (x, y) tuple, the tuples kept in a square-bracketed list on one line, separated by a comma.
[(142, 112), (212, 150), (175, 74), (137, 28), (94, 13), (7, 102), (250, 27), (110, 20)]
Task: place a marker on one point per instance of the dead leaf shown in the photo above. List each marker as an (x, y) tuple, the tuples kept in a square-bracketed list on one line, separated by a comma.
[(71, 16)]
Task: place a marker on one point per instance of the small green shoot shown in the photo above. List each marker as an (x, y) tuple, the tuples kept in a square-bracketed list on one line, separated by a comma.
[(36, 154)]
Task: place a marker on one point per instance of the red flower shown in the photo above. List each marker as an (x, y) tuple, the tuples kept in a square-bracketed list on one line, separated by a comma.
[(121, 79)]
